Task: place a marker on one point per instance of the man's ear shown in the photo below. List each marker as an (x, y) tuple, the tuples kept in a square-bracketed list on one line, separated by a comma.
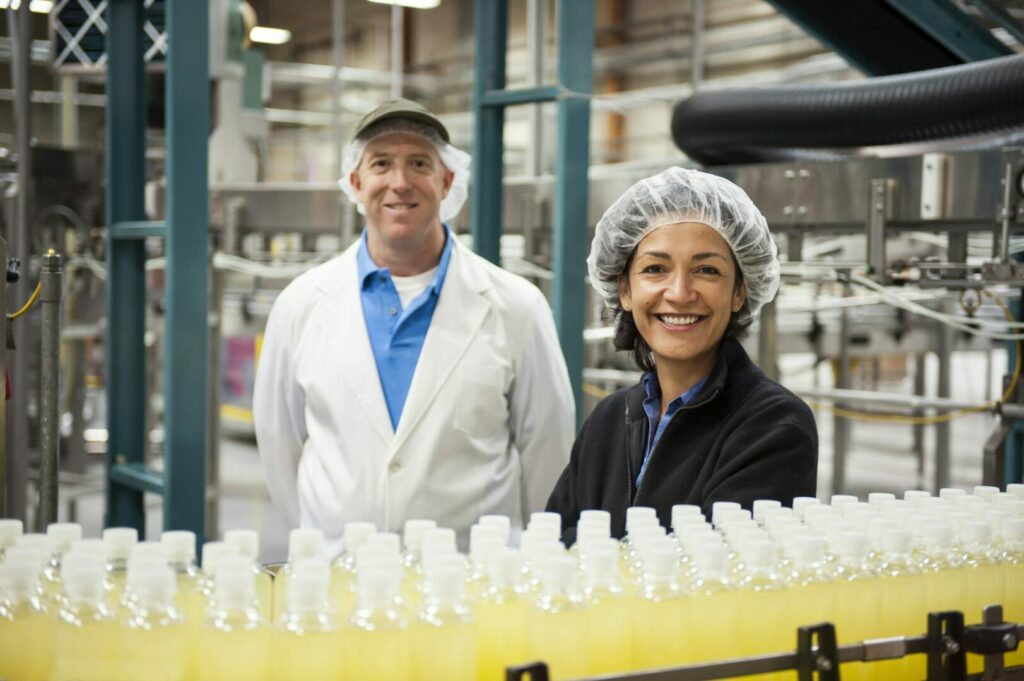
[(353, 179), (449, 177)]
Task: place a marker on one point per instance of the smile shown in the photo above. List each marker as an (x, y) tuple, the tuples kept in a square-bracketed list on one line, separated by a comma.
[(679, 320), (400, 206)]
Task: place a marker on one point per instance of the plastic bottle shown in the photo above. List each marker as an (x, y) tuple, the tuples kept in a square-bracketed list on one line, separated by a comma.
[(903, 594), (118, 542), (412, 539), (857, 597), (943, 568), (608, 611), (234, 643), (307, 647), (557, 626), (713, 603), (26, 624), (658, 610), (303, 543), (501, 523), (445, 633), (984, 579), (86, 631), (10, 530), (155, 643), (181, 557), (762, 506), (247, 544), (501, 612), (762, 590), (811, 595), (1013, 580), (343, 571), (60, 536), (376, 634), (483, 542)]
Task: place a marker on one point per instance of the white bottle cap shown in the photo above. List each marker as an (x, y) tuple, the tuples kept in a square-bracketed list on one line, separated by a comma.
[(950, 493), (591, 530), (445, 583), (938, 537), (82, 579), (413, 531), (976, 532), (640, 515), (839, 500), (801, 503), (439, 540), (896, 541), (712, 560), (732, 515), (660, 562), (601, 557), (483, 541), (356, 533), (18, 577), (234, 585), (880, 498), (141, 564), (180, 544), (1013, 530), (718, 507), (544, 518), (558, 572), (34, 540), (388, 541), (763, 505), (915, 496), (853, 545), (759, 554), (596, 518), (305, 542), (504, 566), (216, 551), (374, 589), (28, 553), (90, 547), (306, 592), (501, 522), (61, 536), (245, 542), (1014, 505), (10, 530), (1016, 489), (368, 554), (119, 542), (148, 549), (985, 492), (155, 587)]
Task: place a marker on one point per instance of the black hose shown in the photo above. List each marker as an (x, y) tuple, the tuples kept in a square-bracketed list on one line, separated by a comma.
[(766, 124)]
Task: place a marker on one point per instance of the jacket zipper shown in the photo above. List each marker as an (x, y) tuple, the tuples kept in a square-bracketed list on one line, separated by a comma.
[(688, 407)]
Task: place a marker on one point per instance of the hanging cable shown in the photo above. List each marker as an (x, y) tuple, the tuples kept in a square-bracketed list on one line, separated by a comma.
[(28, 304)]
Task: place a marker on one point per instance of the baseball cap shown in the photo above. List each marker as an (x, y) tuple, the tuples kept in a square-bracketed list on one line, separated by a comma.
[(401, 108)]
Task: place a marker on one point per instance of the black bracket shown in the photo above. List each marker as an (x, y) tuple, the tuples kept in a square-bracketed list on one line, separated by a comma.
[(13, 267), (535, 671), (947, 660), (816, 651)]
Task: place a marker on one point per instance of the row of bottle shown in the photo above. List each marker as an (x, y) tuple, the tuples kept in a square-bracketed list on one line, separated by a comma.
[(414, 607)]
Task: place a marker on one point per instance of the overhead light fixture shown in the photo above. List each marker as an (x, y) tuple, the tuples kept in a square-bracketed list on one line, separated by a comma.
[(269, 36), (415, 4), (37, 6)]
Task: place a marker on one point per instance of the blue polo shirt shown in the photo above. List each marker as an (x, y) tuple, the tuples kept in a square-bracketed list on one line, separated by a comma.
[(397, 334), (652, 407)]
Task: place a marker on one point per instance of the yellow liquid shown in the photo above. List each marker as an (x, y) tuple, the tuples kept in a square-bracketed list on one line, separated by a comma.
[(265, 594), (902, 613), (86, 653), (242, 655), (158, 654), (26, 645), (444, 652), (558, 639), (501, 628), (857, 606), (657, 632), (984, 586), (376, 655), (279, 586), (944, 589), (311, 656), (758, 627), (609, 628), (342, 592), (808, 605), (712, 625), (1013, 603)]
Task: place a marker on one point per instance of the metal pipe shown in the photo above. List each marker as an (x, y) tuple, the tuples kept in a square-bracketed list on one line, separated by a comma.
[(536, 14), (397, 52), (840, 426), (1007, 214), (699, 23), (942, 430), (51, 284), (337, 26), (19, 245), (872, 398), (4, 511)]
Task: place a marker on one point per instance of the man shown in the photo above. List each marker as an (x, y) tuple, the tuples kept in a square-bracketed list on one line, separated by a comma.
[(408, 377)]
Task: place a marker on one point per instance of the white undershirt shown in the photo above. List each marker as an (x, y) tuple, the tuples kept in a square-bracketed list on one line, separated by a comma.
[(410, 287)]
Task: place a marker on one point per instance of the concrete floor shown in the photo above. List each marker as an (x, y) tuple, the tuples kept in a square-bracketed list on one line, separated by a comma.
[(880, 458)]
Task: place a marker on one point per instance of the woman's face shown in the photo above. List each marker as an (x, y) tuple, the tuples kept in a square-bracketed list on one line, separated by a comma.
[(681, 289)]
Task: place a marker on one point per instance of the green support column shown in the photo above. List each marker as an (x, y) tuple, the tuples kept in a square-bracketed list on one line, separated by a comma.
[(185, 415), (957, 31), (126, 285), (572, 163), (488, 128)]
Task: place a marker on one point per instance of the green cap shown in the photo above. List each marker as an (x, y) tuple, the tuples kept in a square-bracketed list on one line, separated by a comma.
[(401, 108)]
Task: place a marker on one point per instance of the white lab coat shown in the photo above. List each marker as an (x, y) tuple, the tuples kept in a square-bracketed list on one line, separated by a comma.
[(487, 426)]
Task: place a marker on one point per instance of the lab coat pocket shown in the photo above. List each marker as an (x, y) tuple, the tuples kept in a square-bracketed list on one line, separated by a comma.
[(482, 410)]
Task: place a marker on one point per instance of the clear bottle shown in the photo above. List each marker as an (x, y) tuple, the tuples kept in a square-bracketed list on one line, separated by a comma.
[(445, 634), (118, 542), (343, 571), (376, 634), (903, 599), (713, 605), (658, 609), (306, 631), (557, 625), (762, 590), (235, 636), (501, 523), (811, 596), (984, 579), (858, 599), (412, 540), (943, 568), (608, 610), (303, 543), (61, 536), (1013, 580), (155, 641), (247, 544), (86, 630), (181, 557), (26, 623), (501, 612), (10, 530), (483, 542)]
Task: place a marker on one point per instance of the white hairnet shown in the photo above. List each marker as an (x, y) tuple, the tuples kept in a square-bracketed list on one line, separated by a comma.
[(454, 159), (681, 195)]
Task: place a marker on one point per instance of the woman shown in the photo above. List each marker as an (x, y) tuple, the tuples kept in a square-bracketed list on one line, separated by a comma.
[(684, 262)]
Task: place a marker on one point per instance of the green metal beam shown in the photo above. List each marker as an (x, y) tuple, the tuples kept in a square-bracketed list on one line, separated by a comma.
[(188, 236), (956, 30), (138, 476), (126, 285), (491, 36), (137, 230), (534, 95), (572, 162)]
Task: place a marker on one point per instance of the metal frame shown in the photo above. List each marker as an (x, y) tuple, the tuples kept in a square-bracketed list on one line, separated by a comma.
[(956, 30), (186, 232), (572, 157)]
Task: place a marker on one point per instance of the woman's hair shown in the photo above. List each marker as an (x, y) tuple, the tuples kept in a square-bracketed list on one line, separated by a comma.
[(627, 335)]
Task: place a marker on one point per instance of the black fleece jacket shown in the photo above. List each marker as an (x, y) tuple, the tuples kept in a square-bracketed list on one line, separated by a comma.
[(744, 437)]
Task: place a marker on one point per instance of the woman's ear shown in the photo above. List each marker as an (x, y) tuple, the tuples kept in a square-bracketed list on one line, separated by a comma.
[(624, 297), (739, 296)]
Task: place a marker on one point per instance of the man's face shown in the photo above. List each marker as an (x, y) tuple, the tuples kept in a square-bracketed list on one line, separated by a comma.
[(401, 181)]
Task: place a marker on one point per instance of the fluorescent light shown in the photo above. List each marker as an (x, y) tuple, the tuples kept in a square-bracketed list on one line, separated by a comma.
[(37, 6), (269, 36), (415, 4)]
